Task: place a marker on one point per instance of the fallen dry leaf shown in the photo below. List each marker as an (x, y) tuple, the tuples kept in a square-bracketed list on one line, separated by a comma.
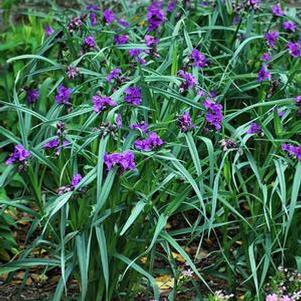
[(178, 257), (165, 282)]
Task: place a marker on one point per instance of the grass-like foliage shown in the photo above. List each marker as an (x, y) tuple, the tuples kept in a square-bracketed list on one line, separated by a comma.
[(128, 118)]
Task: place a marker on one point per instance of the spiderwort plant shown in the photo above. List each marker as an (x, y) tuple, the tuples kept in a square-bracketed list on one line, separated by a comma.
[(166, 109)]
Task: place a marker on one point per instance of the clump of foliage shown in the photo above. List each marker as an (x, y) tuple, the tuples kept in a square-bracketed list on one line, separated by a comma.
[(132, 116)]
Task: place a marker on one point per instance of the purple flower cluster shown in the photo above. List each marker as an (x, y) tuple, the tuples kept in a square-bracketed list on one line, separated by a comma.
[(74, 182), (151, 41), (48, 30), (19, 155), (121, 39), (109, 16), (100, 103), (114, 75), (289, 26), (264, 74), (136, 54), (254, 128), (152, 142), (294, 49), (214, 115), (271, 38), (142, 126), (266, 57), (133, 95), (298, 100), (32, 95), (92, 15), (277, 10), (118, 121), (171, 6), (89, 42), (199, 59), (292, 150), (155, 15), (124, 23), (189, 80), (92, 7), (74, 24), (63, 95), (93, 18), (56, 144), (185, 122), (254, 3), (125, 160)]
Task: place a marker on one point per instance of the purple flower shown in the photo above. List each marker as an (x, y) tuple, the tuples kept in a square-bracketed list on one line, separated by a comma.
[(171, 6), (63, 95), (74, 24), (212, 94), (280, 113), (121, 39), (155, 15), (292, 150), (189, 80), (100, 103), (114, 74), (133, 95), (151, 41), (254, 3), (289, 26), (119, 121), (125, 160), (124, 23), (20, 155), (214, 115), (48, 30), (76, 180), (277, 10), (271, 38), (142, 126), (185, 122), (89, 42), (294, 48), (93, 19), (109, 16), (236, 19), (254, 128), (136, 54), (199, 59), (92, 7), (153, 141), (263, 74), (54, 143), (32, 95), (204, 3), (266, 57), (72, 72), (298, 100)]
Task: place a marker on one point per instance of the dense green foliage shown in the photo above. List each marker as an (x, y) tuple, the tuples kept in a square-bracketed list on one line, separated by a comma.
[(238, 189)]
